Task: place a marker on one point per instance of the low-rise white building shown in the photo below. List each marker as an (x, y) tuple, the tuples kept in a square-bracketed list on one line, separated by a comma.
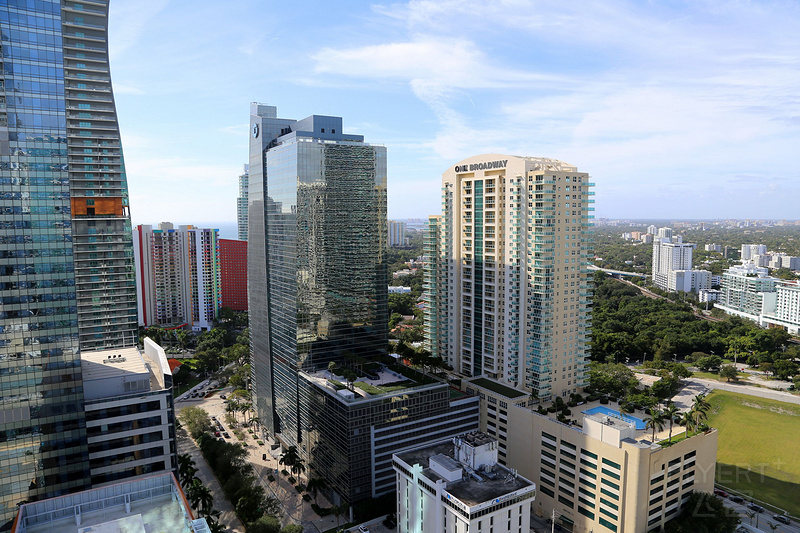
[(688, 280), (782, 308), (708, 295), (458, 486), (130, 422)]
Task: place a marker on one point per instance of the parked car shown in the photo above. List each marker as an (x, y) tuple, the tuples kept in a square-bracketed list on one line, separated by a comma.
[(736, 499), (216, 433), (363, 529), (225, 434), (754, 507), (721, 493), (223, 396), (781, 518)]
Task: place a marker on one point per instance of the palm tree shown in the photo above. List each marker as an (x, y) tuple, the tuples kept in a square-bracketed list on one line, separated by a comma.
[(772, 526), (316, 484), (655, 421), (670, 412), (688, 421), (298, 467), (289, 457), (186, 470), (331, 366), (200, 496), (750, 515), (339, 511)]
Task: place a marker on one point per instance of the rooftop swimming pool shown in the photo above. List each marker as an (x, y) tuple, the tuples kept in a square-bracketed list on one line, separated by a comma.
[(602, 410)]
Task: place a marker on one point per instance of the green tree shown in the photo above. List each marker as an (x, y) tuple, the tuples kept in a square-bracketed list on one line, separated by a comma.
[(292, 528), (265, 524), (703, 513), (196, 420), (729, 372), (289, 457), (250, 505), (339, 511), (710, 362)]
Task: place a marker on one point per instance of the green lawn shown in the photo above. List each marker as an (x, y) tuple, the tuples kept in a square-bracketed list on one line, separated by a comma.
[(757, 448), (715, 376)]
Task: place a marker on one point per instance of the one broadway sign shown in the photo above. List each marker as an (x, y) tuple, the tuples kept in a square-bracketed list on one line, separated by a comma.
[(488, 165)]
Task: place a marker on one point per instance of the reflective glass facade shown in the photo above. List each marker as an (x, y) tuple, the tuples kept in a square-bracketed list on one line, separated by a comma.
[(66, 269), (316, 259)]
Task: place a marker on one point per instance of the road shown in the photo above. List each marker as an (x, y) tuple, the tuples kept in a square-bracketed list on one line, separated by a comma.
[(761, 519), (750, 390)]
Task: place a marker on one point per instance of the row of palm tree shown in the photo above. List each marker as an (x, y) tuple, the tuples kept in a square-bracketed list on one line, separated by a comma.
[(199, 496), (292, 459), (692, 419)]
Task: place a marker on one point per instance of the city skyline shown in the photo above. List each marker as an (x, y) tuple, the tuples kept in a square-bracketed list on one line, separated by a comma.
[(702, 127)]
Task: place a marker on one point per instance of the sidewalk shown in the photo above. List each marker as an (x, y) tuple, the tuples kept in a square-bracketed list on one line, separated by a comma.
[(228, 517), (295, 509)]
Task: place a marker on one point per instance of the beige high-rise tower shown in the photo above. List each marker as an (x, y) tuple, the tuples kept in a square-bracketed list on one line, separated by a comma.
[(512, 296)]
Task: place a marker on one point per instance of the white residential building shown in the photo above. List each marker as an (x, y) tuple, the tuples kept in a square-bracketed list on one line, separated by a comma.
[(749, 250), (652, 229), (708, 295), (241, 203), (742, 291), (782, 308), (713, 248), (457, 486), (688, 280)]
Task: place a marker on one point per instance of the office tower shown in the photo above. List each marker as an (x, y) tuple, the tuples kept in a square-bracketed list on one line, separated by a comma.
[(233, 270), (66, 263), (515, 235), (397, 233), (318, 294), (178, 275), (241, 203)]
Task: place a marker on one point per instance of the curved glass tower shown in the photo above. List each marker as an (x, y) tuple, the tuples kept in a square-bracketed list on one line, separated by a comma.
[(66, 264)]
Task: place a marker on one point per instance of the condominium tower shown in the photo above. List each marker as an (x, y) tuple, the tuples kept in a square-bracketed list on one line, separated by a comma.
[(241, 203), (178, 275), (66, 263), (512, 292)]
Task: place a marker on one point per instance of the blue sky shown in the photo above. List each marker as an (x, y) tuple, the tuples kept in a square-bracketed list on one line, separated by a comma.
[(677, 109)]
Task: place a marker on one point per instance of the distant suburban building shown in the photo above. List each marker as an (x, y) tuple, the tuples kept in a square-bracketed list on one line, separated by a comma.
[(233, 273), (397, 233), (457, 485), (742, 291), (708, 295), (672, 265), (130, 420), (652, 229), (784, 261), (782, 308), (604, 473), (398, 289), (647, 238), (241, 203), (713, 248), (177, 275), (749, 250)]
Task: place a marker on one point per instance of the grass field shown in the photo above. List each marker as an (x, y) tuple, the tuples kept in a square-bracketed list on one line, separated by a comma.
[(758, 447)]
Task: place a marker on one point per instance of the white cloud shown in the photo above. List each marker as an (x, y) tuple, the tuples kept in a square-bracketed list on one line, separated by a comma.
[(128, 19)]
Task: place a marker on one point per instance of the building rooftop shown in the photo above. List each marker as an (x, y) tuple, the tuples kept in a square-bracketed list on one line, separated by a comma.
[(102, 364), (473, 488), (153, 504), (499, 388), (387, 381)]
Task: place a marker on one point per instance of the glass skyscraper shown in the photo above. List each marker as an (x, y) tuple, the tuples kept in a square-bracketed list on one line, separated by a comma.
[(66, 264), (316, 256)]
